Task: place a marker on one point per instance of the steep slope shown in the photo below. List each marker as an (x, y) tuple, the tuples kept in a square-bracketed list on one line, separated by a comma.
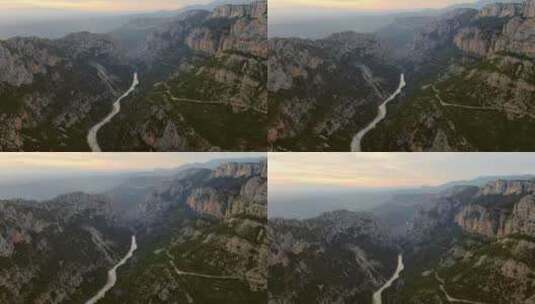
[(52, 90), (475, 245), (57, 251), (200, 72), (322, 92), (202, 240), (472, 83), (200, 234), (338, 257), (205, 72)]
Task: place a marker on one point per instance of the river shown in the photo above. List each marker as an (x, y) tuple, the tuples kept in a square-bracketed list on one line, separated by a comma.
[(112, 274), (356, 142), (92, 136), (377, 296)]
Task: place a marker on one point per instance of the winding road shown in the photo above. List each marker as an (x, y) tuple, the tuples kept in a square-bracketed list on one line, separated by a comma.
[(450, 298), (93, 132), (356, 142), (377, 296), (447, 104), (194, 274), (112, 274)]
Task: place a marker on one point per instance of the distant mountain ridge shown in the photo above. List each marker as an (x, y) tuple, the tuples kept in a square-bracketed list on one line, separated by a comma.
[(96, 24), (47, 188)]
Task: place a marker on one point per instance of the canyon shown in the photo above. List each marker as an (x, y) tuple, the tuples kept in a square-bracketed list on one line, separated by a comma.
[(198, 225), (478, 240), (56, 90)]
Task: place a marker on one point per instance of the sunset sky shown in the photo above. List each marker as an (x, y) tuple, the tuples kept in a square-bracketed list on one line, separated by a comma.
[(369, 5), (390, 170), (289, 11), (13, 165), (99, 5)]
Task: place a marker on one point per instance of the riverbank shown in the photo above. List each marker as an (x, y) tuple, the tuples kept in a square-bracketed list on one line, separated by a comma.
[(92, 139), (356, 142)]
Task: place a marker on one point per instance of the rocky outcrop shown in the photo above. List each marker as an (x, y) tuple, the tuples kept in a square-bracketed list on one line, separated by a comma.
[(529, 9), (237, 170), (501, 10), (480, 220), (510, 212), (23, 58), (508, 187), (206, 201), (523, 217), (255, 10), (500, 28)]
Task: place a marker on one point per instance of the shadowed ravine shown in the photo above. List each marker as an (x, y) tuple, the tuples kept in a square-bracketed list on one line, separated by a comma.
[(356, 143), (377, 296), (112, 274), (92, 139)]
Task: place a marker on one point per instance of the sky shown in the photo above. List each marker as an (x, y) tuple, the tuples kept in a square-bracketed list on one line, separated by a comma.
[(369, 5), (34, 165), (389, 170), (99, 5), (289, 11)]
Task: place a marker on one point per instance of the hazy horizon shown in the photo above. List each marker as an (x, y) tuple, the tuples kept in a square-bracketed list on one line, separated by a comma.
[(23, 167), (290, 11), (389, 171), (304, 185), (97, 6)]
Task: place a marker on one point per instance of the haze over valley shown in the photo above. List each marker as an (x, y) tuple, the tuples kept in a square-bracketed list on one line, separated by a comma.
[(456, 78), (164, 81), (466, 236), (176, 227)]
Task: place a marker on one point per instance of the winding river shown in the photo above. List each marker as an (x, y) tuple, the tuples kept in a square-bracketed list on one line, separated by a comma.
[(112, 274), (356, 142), (377, 296), (92, 136)]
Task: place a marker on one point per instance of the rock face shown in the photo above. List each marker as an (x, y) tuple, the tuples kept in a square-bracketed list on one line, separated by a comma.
[(507, 187), (529, 9), (497, 210), (488, 231), (67, 240), (479, 62), (487, 220), (503, 32), (38, 76), (310, 259), (499, 27), (236, 170), (501, 10)]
